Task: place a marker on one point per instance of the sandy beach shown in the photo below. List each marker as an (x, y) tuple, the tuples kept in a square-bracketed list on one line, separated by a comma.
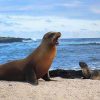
[(59, 89)]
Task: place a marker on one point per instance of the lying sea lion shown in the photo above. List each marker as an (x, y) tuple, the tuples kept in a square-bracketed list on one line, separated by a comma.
[(88, 73), (95, 75), (36, 65)]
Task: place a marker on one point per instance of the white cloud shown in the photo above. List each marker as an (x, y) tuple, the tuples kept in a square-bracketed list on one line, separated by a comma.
[(95, 9), (71, 4), (29, 26), (40, 6)]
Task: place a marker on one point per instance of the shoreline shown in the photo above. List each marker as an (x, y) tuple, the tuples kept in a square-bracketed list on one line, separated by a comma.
[(58, 89)]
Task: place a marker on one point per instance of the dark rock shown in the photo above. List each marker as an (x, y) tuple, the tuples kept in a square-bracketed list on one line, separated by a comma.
[(12, 39), (66, 73)]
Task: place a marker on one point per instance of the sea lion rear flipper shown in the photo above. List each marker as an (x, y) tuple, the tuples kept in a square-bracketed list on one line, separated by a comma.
[(46, 77)]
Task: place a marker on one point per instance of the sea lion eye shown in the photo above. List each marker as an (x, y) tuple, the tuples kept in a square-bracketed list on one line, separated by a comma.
[(51, 35)]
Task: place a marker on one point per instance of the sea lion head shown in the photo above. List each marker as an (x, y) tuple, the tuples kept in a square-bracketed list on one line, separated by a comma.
[(51, 38), (83, 65)]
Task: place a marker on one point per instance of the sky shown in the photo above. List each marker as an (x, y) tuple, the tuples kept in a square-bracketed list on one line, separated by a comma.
[(34, 18)]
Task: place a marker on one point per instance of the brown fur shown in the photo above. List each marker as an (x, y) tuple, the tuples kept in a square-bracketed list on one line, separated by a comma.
[(36, 65), (88, 73), (85, 70), (95, 75)]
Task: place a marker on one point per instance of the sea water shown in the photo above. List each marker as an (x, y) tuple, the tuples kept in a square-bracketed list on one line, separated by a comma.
[(69, 52)]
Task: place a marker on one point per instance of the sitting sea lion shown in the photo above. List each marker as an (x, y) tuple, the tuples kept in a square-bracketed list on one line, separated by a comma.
[(88, 73), (36, 65)]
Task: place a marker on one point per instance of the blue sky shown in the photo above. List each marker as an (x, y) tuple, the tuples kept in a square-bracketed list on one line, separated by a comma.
[(33, 18)]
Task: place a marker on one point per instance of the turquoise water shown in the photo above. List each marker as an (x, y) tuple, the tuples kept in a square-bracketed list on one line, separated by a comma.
[(69, 52)]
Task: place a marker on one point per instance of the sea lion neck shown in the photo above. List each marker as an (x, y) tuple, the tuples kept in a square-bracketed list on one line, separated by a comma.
[(42, 50), (47, 45)]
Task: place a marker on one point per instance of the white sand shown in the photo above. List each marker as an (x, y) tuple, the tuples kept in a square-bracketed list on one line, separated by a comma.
[(62, 89)]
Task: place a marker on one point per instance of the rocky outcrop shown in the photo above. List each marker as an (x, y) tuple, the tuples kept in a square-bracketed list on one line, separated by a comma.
[(12, 39), (71, 74)]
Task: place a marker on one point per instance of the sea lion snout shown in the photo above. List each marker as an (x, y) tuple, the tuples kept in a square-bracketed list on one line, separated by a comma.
[(56, 37), (58, 34)]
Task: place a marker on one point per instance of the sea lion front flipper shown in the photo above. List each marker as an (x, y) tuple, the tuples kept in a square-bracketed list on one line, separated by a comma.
[(46, 77), (31, 77)]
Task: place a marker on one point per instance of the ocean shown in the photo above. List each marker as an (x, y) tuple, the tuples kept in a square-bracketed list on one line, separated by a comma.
[(69, 52)]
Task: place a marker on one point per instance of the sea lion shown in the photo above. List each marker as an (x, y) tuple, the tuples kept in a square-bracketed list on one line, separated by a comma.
[(34, 66), (85, 70), (95, 75), (88, 73)]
